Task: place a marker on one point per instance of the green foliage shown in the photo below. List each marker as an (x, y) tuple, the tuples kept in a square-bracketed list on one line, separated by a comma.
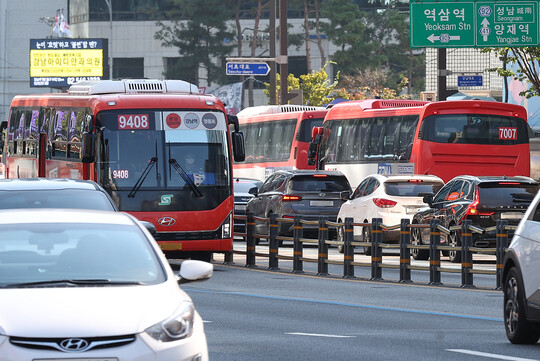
[(317, 90), (528, 61), (200, 34), (376, 39)]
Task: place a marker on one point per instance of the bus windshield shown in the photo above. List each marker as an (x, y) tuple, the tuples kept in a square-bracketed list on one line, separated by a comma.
[(181, 161), (474, 129)]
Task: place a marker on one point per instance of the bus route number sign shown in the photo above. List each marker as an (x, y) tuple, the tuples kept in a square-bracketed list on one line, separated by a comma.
[(507, 133), (133, 121)]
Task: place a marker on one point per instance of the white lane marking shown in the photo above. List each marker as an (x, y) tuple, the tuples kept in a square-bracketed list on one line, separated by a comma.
[(204, 321), (491, 355), (316, 335)]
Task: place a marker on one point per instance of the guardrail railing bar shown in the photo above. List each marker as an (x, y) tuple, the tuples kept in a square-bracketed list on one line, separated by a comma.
[(434, 253), (298, 247), (404, 252), (322, 266), (466, 255)]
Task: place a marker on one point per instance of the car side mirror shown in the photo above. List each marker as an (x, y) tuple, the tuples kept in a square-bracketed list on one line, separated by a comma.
[(149, 226), (194, 271), (428, 199), (254, 191), (345, 195)]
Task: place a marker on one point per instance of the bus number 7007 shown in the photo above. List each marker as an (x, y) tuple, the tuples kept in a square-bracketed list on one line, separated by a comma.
[(508, 133)]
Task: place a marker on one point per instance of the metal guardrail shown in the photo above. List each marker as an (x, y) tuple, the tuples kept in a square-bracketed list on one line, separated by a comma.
[(376, 263)]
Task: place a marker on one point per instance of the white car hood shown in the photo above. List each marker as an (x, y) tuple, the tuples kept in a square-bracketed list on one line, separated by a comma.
[(86, 311)]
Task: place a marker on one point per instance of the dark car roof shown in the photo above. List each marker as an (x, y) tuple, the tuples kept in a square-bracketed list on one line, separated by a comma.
[(485, 179), (309, 172), (47, 184)]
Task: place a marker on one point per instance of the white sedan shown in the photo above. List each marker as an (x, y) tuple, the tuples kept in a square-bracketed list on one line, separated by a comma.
[(390, 197), (93, 285)]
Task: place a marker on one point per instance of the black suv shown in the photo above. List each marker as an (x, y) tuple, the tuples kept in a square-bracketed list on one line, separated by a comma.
[(483, 200), (305, 193)]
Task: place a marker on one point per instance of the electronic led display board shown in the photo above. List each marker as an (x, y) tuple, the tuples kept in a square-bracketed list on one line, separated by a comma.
[(59, 63)]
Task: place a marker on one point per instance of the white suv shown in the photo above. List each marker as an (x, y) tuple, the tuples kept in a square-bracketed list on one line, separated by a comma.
[(390, 197), (521, 277)]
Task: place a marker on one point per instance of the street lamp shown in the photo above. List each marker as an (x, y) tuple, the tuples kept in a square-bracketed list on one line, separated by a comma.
[(109, 5)]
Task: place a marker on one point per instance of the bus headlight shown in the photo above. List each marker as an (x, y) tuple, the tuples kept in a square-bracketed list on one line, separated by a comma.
[(226, 227)]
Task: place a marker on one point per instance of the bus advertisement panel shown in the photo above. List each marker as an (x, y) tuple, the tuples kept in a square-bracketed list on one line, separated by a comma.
[(160, 149), (277, 137), (446, 138)]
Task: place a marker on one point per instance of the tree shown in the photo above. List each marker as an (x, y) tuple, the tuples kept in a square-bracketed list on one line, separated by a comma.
[(200, 33), (528, 61), (317, 90), (369, 84), (349, 29)]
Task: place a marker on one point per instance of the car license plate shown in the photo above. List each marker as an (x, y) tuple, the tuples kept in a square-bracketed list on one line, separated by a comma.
[(411, 210), (321, 203), (76, 359), (512, 215), (239, 207)]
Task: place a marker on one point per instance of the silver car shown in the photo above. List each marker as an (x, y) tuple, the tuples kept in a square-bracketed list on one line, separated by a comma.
[(521, 277)]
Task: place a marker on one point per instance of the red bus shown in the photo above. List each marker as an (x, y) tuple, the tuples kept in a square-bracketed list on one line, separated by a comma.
[(445, 138), (161, 150), (277, 137)]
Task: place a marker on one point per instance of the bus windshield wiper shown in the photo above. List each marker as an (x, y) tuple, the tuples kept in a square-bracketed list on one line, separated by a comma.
[(72, 282), (185, 177), (141, 179)]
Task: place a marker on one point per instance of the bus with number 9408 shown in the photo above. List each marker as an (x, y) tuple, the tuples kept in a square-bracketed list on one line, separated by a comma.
[(161, 150)]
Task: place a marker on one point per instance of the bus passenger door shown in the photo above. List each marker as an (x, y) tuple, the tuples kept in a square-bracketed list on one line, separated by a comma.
[(42, 154)]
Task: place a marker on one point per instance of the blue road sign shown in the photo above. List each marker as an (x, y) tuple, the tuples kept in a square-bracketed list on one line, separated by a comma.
[(247, 69), (470, 80)]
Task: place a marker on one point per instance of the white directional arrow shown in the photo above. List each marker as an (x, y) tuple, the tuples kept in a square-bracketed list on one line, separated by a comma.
[(443, 38), (485, 30)]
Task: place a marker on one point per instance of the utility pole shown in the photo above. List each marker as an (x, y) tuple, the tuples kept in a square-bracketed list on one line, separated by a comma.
[(284, 66), (273, 63), (109, 5)]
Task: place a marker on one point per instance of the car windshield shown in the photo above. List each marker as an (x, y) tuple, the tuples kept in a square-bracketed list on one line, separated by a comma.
[(47, 198), (506, 194), (319, 183), (411, 188), (243, 186), (92, 253)]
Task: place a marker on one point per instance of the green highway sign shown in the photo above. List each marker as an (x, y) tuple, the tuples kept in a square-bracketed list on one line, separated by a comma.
[(469, 24), (507, 24), (442, 25)]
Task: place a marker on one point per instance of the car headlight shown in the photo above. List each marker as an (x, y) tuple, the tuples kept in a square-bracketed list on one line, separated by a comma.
[(176, 327)]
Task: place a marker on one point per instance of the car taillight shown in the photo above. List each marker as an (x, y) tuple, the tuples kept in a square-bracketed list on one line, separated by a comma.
[(471, 208), (384, 203), (290, 198)]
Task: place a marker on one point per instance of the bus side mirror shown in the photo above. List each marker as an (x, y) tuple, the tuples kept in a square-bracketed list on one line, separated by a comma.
[(88, 147), (3, 125), (239, 151), (312, 151), (233, 119)]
